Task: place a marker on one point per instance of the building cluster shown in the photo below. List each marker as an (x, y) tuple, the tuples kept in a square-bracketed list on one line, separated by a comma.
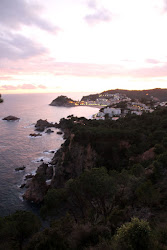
[(104, 100), (163, 104), (117, 105)]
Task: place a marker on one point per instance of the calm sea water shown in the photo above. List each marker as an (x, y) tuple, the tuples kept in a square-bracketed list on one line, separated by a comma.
[(17, 148)]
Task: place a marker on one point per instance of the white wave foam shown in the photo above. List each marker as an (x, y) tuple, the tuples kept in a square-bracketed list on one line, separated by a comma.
[(41, 159), (50, 151)]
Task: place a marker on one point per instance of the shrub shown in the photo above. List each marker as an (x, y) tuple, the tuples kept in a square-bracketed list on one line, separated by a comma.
[(134, 235)]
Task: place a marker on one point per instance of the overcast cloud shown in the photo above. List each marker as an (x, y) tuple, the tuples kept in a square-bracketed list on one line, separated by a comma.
[(15, 13), (15, 46), (99, 14)]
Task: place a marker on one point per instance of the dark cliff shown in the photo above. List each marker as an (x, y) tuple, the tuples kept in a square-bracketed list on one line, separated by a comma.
[(68, 162), (71, 160)]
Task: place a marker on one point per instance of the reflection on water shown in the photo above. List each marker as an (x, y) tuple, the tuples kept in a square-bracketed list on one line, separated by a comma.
[(17, 148)]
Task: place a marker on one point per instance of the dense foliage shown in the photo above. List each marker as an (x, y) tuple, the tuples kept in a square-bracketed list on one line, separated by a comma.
[(119, 203)]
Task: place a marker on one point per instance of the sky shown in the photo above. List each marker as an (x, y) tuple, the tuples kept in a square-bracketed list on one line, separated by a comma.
[(82, 45)]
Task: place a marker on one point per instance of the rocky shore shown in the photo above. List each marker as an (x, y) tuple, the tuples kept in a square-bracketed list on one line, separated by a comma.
[(68, 162), (41, 125), (38, 187)]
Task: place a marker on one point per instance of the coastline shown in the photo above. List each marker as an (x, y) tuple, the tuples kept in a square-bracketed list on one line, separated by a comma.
[(19, 149), (92, 106)]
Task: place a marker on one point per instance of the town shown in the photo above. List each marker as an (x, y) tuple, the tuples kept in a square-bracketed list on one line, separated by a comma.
[(119, 105)]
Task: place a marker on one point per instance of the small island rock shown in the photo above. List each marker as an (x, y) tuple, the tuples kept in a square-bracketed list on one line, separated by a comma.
[(59, 133), (42, 124), (20, 168), (35, 135), (63, 101), (48, 131), (10, 118)]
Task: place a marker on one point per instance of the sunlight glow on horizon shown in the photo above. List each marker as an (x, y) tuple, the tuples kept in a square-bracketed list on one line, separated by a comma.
[(82, 46)]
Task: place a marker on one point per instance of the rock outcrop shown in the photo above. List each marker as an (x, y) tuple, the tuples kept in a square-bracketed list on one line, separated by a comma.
[(63, 101), (147, 155), (10, 118), (41, 125), (38, 187), (70, 161)]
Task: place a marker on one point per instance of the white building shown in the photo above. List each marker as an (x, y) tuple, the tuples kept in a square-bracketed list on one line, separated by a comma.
[(110, 111)]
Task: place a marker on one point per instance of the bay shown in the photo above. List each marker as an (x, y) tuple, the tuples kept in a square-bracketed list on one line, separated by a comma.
[(18, 149)]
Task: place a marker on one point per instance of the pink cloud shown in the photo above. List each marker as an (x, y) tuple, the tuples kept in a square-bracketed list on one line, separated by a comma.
[(26, 86), (43, 64), (156, 71), (42, 86), (153, 61), (8, 87), (92, 4), (87, 70), (100, 14), (23, 86), (6, 78)]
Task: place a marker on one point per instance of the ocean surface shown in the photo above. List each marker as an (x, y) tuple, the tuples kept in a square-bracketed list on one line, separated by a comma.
[(18, 149)]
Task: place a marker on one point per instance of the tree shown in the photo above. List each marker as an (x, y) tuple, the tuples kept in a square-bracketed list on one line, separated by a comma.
[(53, 201), (147, 194), (48, 239), (17, 228), (134, 235), (94, 189)]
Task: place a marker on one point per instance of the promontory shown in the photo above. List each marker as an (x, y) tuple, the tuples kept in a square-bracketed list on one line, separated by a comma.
[(63, 101)]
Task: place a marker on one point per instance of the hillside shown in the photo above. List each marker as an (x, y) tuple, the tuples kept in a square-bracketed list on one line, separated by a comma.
[(161, 94), (106, 174)]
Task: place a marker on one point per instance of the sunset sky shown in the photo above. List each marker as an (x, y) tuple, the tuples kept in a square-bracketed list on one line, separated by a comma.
[(82, 45)]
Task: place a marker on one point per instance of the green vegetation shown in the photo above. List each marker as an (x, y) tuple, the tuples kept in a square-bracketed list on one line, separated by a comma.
[(17, 228), (133, 235), (117, 203)]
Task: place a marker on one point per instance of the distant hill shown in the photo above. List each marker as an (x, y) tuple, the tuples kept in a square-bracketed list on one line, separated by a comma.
[(161, 94)]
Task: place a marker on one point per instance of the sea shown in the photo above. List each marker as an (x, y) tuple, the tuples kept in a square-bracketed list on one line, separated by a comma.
[(18, 149)]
